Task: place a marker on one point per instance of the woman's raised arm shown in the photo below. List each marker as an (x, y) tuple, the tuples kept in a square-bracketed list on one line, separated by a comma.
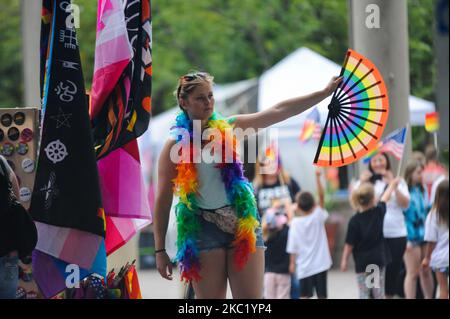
[(284, 109)]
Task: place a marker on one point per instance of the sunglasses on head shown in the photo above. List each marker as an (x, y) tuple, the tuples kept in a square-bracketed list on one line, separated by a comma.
[(193, 76)]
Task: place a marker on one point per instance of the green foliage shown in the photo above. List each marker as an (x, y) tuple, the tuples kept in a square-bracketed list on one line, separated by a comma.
[(10, 55), (420, 138), (233, 39), (86, 37), (421, 48), (239, 39)]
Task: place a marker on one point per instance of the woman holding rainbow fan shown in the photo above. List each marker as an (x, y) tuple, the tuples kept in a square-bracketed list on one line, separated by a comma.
[(219, 232)]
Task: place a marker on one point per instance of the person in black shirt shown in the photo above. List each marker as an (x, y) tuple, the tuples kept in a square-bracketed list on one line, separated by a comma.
[(18, 235), (273, 185), (277, 185), (277, 279), (366, 242)]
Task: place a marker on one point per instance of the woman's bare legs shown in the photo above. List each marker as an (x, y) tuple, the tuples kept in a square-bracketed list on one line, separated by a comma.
[(247, 283), (213, 284), (443, 284), (412, 263), (426, 279)]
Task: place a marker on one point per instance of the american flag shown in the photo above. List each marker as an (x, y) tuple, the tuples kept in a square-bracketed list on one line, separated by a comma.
[(311, 127), (394, 143)]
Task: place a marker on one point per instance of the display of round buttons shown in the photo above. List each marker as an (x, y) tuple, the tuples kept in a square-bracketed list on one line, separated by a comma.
[(26, 135), (13, 133), (6, 119), (25, 194), (28, 165), (19, 118), (22, 148), (7, 149)]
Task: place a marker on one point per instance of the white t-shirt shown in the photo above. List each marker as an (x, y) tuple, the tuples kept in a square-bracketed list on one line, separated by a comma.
[(308, 240), (394, 221), (434, 188), (438, 233)]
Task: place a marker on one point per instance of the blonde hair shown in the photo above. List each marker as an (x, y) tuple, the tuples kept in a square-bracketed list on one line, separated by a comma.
[(362, 196), (188, 82)]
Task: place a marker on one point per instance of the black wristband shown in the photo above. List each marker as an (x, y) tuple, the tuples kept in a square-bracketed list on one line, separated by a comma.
[(160, 250)]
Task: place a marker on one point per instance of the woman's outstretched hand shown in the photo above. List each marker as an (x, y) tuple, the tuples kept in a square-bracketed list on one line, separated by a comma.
[(333, 84), (164, 265)]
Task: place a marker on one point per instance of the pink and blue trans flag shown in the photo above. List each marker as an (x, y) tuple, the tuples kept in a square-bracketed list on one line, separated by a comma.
[(120, 104)]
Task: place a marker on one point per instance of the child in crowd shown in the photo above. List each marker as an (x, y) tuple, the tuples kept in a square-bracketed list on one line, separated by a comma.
[(415, 216), (436, 236), (365, 239), (277, 279), (308, 244)]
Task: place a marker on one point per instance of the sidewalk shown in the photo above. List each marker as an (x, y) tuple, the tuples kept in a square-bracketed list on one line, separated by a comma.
[(340, 285)]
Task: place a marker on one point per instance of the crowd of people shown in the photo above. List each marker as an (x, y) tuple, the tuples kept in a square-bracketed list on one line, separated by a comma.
[(398, 235), (271, 236)]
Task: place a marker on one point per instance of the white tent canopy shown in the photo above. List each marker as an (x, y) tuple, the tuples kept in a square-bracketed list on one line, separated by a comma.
[(305, 71)]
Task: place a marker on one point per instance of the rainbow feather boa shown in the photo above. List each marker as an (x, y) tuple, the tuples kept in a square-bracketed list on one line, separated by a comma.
[(239, 192)]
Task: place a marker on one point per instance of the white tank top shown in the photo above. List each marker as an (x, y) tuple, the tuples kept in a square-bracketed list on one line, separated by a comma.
[(211, 191)]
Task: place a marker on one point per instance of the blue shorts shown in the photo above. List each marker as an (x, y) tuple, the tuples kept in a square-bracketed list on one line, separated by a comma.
[(441, 269), (9, 276), (212, 237), (415, 243)]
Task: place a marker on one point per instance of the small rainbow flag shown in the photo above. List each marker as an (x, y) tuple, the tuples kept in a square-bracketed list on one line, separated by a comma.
[(372, 153), (311, 127), (432, 122)]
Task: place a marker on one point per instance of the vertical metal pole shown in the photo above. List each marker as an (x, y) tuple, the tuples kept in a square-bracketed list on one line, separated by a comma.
[(441, 44), (386, 44)]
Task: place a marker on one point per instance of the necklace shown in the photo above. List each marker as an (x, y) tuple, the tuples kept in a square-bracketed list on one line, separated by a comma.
[(239, 192)]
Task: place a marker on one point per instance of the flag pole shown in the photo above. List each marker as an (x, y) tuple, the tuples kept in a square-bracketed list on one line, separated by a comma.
[(403, 152), (435, 141)]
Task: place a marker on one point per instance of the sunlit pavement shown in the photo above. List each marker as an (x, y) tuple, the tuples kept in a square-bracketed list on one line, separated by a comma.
[(340, 285)]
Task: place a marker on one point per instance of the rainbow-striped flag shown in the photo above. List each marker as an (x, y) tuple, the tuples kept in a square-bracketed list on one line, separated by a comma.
[(432, 122), (311, 127), (372, 153)]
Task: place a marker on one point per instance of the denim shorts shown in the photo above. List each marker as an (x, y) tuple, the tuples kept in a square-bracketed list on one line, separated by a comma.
[(415, 243), (441, 269), (212, 237), (9, 277)]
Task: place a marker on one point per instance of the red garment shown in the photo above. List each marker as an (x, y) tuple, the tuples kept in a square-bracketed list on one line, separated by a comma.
[(430, 174)]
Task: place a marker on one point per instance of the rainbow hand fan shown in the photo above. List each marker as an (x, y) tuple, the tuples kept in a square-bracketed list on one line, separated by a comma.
[(357, 114)]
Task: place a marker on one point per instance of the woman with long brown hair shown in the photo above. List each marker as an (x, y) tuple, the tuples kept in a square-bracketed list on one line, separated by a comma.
[(436, 236), (394, 228), (415, 216)]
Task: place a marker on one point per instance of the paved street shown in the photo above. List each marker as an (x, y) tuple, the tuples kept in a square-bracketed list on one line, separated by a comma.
[(340, 285)]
